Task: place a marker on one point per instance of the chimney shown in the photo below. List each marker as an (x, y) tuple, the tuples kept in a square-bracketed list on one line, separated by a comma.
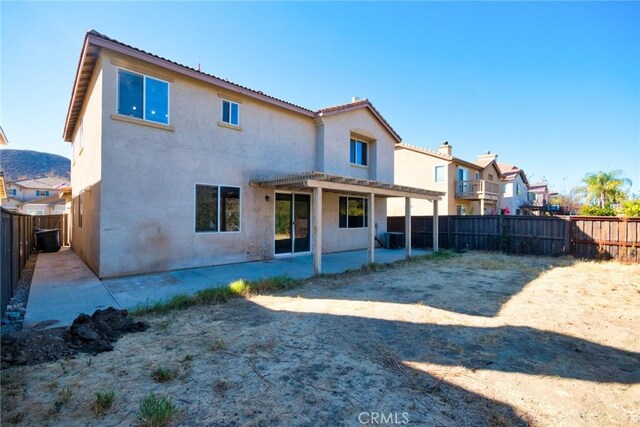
[(354, 99), (488, 157), (445, 149)]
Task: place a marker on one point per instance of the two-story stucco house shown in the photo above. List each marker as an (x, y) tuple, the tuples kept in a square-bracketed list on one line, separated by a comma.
[(515, 189), (252, 177), (471, 188), (35, 196)]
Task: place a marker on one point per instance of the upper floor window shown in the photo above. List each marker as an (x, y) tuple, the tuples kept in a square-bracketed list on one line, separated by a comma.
[(477, 175), (143, 97), (230, 112), (12, 191), (517, 189), (359, 152), (353, 212), (217, 208), (42, 193), (490, 177), (439, 174)]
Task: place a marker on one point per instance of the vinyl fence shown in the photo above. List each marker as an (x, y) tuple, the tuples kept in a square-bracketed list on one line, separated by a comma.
[(583, 237)]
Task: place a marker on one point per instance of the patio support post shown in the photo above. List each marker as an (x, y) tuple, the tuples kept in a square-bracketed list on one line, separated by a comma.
[(407, 226), (371, 240), (317, 231), (481, 206), (436, 230)]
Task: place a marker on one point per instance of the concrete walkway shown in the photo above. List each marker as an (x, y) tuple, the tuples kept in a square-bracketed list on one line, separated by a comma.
[(63, 287), (132, 291)]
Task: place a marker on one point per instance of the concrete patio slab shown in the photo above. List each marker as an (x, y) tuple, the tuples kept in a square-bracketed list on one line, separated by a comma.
[(63, 287), (132, 291)]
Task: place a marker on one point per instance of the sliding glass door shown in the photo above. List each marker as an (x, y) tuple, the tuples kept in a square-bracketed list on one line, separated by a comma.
[(293, 222)]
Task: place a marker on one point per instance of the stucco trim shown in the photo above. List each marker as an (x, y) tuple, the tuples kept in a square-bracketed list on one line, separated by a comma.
[(142, 122), (141, 69), (228, 126), (229, 97)]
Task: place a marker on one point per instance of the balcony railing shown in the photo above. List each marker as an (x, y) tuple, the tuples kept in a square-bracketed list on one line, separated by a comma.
[(477, 188)]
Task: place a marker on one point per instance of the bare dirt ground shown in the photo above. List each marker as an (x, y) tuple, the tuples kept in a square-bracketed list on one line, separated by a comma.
[(479, 339)]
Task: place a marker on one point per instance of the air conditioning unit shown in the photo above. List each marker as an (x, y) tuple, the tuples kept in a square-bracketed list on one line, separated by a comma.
[(394, 240)]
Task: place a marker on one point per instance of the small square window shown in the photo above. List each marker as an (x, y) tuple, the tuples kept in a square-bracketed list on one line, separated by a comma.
[(353, 212), (230, 112), (358, 152)]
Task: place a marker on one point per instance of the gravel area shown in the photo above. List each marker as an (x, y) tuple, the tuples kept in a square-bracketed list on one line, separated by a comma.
[(14, 315)]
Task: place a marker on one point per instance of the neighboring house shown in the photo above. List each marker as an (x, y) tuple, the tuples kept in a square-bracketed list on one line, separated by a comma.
[(3, 137), (515, 189), (472, 188), (250, 176), (3, 189), (35, 196)]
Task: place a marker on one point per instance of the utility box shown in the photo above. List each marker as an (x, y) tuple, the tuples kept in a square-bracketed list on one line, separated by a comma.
[(48, 240), (394, 240)]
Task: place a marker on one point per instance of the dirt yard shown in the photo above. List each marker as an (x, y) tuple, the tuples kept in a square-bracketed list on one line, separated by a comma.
[(479, 339)]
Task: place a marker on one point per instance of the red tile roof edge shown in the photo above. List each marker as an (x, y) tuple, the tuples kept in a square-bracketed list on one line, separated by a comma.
[(98, 39)]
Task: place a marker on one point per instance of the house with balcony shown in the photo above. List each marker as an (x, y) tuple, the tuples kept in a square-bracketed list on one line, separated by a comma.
[(471, 188), (253, 177), (35, 196)]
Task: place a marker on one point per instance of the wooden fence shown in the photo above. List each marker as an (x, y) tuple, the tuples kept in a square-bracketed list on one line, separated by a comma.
[(17, 244), (583, 237), (605, 237)]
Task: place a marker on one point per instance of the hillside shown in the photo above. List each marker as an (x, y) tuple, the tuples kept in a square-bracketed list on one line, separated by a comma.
[(27, 164)]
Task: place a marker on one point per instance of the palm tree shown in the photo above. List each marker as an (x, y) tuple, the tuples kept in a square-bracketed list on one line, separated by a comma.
[(604, 188)]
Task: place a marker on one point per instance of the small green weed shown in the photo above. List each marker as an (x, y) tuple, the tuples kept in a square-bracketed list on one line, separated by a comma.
[(103, 402), (156, 411), (163, 375)]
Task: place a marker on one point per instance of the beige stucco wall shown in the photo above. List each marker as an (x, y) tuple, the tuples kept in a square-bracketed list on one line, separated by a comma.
[(338, 130), (86, 174), (416, 169), (337, 239), (144, 185)]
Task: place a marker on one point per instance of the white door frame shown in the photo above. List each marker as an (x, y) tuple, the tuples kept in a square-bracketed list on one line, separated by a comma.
[(293, 232)]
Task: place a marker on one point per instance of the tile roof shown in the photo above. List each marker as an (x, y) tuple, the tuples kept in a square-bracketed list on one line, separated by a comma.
[(46, 183), (95, 40), (363, 103), (439, 155), (49, 200)]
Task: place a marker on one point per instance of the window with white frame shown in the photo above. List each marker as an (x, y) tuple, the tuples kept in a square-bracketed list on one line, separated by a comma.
[(143, 97), (353, 212), (35, 212), (517, 189), (438, 174), (12, 191), (42, 193), (217, 208), (230, 113), (359, 152)]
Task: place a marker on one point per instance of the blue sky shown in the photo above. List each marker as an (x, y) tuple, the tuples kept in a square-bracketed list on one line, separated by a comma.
[(551, 87)]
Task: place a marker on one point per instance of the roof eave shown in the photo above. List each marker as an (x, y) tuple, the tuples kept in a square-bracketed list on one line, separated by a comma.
[(371, 108)]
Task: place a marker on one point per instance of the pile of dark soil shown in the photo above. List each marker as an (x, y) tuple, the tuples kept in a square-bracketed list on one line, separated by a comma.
[(88, 334)]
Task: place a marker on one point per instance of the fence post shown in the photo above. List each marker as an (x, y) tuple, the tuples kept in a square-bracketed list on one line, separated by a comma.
[(568, 247)]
